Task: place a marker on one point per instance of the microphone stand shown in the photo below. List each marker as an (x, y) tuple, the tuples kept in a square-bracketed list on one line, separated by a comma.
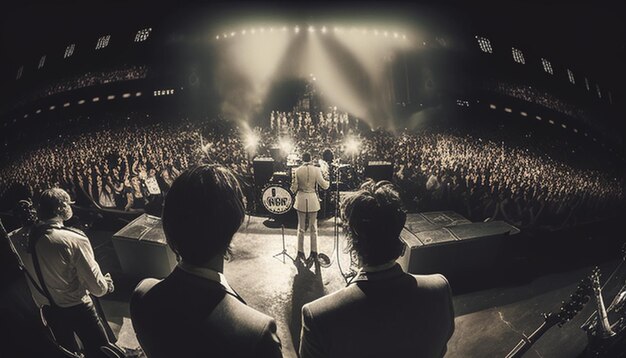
[(351, 273)]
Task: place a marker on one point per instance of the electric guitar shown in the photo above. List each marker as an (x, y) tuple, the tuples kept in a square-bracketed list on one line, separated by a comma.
[(568, 310), (110, 350), (606, 339)]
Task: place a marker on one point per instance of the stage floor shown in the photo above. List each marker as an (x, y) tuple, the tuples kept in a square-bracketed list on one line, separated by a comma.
[(488, 322)]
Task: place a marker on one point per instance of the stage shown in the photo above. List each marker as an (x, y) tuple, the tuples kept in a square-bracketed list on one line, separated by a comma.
[(489, 322)]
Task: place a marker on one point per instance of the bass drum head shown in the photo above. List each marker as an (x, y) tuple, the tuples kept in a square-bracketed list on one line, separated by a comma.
[(276, 199)]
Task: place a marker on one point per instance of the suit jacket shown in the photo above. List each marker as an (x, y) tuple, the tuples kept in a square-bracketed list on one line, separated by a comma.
[(303, 185), (185, 315), (383, 314)]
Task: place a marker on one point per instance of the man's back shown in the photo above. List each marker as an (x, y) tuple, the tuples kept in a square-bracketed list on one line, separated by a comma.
[(386, 314), (189, 316)]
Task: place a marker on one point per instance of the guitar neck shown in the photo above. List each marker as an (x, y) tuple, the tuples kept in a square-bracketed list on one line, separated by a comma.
[(524, 345)]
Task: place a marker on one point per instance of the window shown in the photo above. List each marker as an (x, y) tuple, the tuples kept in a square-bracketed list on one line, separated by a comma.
[(484, 44), (143, 34), (547, 66), (103, 42), (69, 50), (20, 71), (598, 91), (587, 84), (518, 56), (42, 62), (570, 74)]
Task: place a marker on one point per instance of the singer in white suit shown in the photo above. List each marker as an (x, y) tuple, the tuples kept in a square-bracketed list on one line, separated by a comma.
[(303, 184)]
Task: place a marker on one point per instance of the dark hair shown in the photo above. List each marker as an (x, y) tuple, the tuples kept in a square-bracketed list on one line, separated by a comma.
[(374, 217), (306, 157), (50, 201), (202, 211)]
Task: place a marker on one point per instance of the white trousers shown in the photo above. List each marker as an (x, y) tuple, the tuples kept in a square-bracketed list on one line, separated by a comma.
[(312, 221)]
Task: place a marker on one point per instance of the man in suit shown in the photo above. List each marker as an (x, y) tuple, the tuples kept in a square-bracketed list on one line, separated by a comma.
[(194, 312), (307, 204), (383, 312)]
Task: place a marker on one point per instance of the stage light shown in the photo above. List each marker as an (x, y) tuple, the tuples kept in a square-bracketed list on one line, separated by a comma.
[(243, 32), (52, 108), (251, 141), (508, 110), (324, 29), (395, 35), (492, 106), (232, 34), (524, 114), (352, 146), (285, 145), (111, 97), (81, 101), (375, 32), (26, 115), (38, 111), (262, 29), (217, 37), (253, 31), (538, 118), (296, 29), (311, 29), (284, 28)]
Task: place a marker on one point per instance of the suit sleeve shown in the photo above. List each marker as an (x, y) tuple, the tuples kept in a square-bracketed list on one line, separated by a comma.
[(88, 269), (269, 345), (449, 312), (310, 342), (323, 183)]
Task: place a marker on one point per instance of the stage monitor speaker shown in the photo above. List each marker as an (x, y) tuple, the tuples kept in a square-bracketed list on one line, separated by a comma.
[(379, 170), (263, 171), (142, 249)]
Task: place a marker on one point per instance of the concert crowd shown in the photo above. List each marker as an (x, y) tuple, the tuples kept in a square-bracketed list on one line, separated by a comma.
[(491, 177)]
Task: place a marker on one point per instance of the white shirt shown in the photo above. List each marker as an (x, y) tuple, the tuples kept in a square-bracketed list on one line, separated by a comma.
[(67, 264), (206, 273)]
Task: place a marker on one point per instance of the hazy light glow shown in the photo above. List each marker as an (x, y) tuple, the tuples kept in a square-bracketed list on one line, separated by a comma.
[(355, 78), (286, 145), (352, 146)]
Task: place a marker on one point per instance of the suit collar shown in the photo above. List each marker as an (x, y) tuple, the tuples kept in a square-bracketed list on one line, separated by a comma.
[(390, 273), (193, 273)]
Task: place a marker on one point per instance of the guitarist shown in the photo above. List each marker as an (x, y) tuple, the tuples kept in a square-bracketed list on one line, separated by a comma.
[(61, 263)]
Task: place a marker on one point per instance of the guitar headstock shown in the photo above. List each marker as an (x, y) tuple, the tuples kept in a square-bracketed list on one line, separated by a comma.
[(570, 308), (595, 279)]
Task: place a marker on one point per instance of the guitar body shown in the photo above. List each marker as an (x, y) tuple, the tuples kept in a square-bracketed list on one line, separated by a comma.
[(614, 346)]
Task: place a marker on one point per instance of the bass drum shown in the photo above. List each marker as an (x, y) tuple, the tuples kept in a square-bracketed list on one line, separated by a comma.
[(277, 199)]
